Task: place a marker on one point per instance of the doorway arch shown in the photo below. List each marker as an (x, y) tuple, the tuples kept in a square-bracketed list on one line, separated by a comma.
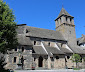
[(40, 61)]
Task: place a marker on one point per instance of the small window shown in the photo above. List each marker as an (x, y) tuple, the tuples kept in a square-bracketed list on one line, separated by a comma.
[(26, 31), (66, 18), (57, 57), (49, 44), (15, 59), (77, 42), (15, 49), (22, 49), (68, 57), (34, 42)]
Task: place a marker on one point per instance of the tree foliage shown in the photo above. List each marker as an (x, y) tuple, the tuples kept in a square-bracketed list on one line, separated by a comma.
[(76, 58), (8, 27), (2, 64), (84, 59), (8, 32)]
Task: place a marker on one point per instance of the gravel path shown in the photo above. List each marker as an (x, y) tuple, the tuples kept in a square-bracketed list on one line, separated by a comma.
[(59, 70)]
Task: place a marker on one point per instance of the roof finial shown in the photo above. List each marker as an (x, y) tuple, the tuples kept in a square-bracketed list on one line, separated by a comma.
[(62, 5)]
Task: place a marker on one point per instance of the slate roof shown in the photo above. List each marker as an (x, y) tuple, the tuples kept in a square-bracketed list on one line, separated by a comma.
[(23, 40), (81, 40), (77, 49), (63, 12), (48, 34), (39, 50), (52, 50), (65, 50), (44, 33)]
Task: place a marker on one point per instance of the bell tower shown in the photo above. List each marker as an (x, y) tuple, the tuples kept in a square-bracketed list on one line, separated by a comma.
[(65, 25)]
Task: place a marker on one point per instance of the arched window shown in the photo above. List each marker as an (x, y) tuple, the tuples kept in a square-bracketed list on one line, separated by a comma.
[(22, 49), (34, 42), (48, 43), (26, 31), (15, 59), (77, 42)]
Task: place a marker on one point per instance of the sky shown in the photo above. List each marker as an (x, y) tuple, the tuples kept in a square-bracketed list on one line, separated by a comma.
[(42, 13)]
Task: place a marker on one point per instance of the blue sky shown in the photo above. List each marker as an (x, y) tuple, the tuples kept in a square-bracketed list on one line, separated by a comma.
[(42, 13)]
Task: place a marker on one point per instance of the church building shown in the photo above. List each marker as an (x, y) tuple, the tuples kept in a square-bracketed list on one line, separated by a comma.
[(47, 49)]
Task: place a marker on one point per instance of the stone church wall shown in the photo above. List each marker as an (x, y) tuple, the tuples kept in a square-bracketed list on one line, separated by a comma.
[(59, 63), (27, 55)]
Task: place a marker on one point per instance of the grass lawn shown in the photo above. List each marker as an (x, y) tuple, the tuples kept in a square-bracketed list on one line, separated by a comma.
[(76, 68)]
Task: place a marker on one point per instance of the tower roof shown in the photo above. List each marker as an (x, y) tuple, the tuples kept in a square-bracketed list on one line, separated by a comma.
[(63, 12)]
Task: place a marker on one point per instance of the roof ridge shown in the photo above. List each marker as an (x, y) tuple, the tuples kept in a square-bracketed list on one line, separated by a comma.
[(41, 28)]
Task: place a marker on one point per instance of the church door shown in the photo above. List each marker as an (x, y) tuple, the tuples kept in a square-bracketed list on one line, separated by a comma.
[(40, 62)]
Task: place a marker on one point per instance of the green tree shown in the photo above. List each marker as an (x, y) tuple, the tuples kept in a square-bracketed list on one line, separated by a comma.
[(8, 27), (76, 58)]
